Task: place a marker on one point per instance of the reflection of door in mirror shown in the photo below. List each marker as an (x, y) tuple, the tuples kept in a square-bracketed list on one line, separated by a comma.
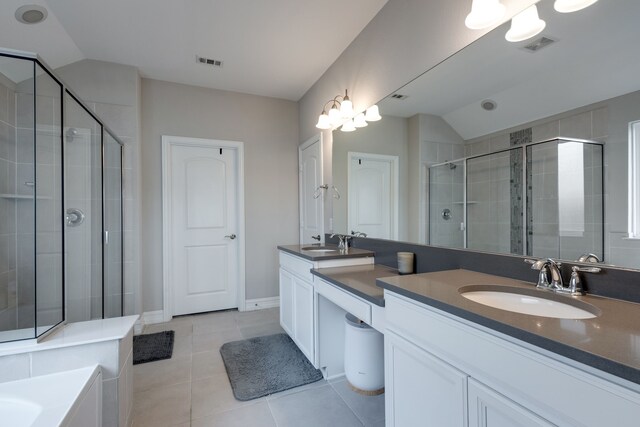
[(373, 195), (311, 191)]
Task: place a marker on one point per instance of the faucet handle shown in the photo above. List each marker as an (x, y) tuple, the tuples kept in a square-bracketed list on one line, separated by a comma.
[(575, 284)]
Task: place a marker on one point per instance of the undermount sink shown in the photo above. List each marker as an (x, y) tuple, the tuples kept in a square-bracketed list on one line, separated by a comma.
[(320, 249), (18, 412), (529, 301)]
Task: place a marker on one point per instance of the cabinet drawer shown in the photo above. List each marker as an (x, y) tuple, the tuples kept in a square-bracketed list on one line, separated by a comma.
[(345, 300), (297, 266)]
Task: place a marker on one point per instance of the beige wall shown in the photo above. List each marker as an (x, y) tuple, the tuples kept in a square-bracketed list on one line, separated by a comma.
[(269, 129)]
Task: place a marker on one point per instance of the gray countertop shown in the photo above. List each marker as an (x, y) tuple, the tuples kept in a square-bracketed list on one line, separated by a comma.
[(609, 342), (321, 256), (360, 280)]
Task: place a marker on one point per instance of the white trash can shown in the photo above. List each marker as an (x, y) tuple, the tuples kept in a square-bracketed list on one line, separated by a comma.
[(363, 357)]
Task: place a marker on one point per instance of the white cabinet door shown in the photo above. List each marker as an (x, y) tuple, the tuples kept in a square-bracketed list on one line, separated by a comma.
[(421, 390), (487, 408), (296, 311), (303, 318), (286, 301)]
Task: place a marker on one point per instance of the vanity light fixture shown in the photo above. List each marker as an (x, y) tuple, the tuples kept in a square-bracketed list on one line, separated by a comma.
[(359, 121), (348, 126), (484, 14), (568, 6), (372, 114), (341, 113), (525, 25)]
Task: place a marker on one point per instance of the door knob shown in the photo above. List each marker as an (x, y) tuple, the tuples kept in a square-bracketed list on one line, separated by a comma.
[(232, 236)]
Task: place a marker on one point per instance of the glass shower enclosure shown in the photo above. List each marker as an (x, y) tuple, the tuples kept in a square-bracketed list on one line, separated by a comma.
[(541, 199), (60, 205)]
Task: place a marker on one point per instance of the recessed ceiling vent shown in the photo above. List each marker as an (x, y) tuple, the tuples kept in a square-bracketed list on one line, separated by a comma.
[(538, 44), (31, 14), (399, 96), (209, 61)]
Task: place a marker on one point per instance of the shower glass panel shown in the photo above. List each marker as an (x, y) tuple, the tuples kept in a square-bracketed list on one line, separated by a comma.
[(48, 200), (83, 208), (446, 205), (565, 214), (113, 303), (31, 248), (494, 203)]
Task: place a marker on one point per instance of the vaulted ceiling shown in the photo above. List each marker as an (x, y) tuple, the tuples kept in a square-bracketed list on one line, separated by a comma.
[(275, 48)]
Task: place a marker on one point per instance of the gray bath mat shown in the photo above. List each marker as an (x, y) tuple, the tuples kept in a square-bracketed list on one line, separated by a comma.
[(152, 347), (266, 365)]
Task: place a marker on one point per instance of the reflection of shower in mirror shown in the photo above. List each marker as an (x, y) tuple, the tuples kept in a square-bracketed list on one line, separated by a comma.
[(71, 134)]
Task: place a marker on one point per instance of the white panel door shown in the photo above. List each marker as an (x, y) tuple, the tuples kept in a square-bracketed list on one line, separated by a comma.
[(373, 204), (203, 223), (311, 196)]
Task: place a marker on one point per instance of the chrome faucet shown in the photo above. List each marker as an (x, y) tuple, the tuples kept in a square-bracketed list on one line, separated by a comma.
[(588, 258), (548, 268), (358, 234), (344, 241)]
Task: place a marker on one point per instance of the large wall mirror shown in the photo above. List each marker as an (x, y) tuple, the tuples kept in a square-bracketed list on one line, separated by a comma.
[(523, 148)]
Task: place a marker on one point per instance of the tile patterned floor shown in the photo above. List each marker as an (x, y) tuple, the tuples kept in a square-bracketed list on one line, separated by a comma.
[(192, 388)]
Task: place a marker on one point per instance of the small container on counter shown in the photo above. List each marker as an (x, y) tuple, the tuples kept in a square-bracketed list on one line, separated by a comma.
[(405, 262)]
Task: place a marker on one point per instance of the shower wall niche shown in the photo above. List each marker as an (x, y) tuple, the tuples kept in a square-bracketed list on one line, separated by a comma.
[(60, 205), (540, 199)]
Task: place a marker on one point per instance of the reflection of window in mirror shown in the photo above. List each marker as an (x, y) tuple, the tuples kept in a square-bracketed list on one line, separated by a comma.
[(634, 180), (571, 189)]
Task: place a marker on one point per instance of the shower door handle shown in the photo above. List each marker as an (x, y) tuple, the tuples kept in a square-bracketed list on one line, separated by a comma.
[(74, 217)]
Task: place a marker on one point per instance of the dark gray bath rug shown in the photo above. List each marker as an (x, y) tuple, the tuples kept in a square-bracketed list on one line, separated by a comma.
[(265, 365), (152, 347)]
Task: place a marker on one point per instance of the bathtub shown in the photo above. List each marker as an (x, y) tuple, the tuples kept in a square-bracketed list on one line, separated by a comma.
[(69, 399)]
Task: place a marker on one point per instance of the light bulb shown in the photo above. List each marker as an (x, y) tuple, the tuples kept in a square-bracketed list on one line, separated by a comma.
[(334, 115), (359, 121), (484, 14), (346, 108), (568, 6), (348, 126), (525, 25), (323, 121), (372, 114)]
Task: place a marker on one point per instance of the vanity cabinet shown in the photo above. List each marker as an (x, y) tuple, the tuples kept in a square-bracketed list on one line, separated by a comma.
[(430, 355), (488, 408), (298, 312), (421, 390)]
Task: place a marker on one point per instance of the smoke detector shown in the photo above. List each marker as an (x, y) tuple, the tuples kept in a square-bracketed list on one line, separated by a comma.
[(489, 104), (31, 14), (209, 61)]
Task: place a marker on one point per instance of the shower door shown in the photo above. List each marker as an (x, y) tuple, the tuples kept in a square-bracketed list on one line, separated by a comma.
[(113, 268), (83, 207), (446, 205)]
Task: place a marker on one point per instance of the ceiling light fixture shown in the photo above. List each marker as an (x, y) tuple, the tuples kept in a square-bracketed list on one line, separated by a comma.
[(484, 14), (525, 25), (341, 114), (31, 14), (568, 6)]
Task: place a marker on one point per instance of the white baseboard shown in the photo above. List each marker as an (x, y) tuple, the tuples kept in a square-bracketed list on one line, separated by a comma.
[(261, 303), (148, 318)]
